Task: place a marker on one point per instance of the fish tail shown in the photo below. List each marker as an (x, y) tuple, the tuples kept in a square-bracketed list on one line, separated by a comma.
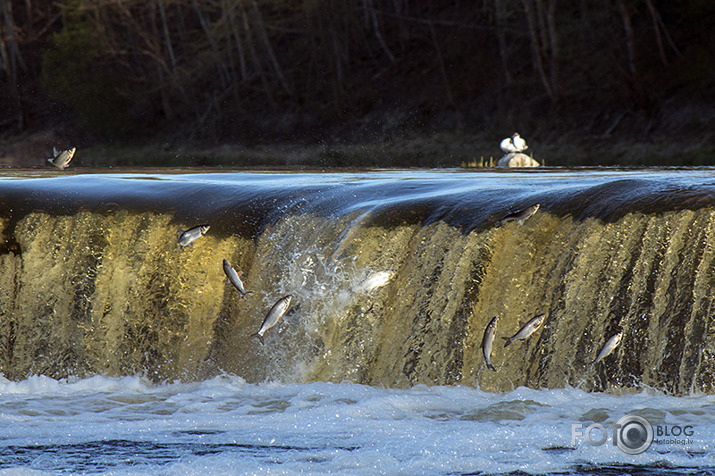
[(260, 337), (507, 341), (490, 366)]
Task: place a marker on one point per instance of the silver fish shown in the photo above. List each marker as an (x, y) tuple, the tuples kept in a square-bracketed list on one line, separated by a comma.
[(526, 331), (273, 316), (487, 342), (609, 347), (62, 159), (374, 281), (234, 277), (520, 216), (189, 236)]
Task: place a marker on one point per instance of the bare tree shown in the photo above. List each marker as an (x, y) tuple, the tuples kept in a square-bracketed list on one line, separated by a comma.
[(11, 61), (501, 19), (538, 47)]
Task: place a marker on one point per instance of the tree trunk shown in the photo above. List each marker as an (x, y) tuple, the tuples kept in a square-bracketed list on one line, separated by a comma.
[(500, 19), (536, 47), (11, 61), (263, 36)]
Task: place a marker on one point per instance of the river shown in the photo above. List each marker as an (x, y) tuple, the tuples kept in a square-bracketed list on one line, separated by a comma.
[(123, 353)]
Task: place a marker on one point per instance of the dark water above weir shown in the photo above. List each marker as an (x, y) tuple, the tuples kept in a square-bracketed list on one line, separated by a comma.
[(93, 281)]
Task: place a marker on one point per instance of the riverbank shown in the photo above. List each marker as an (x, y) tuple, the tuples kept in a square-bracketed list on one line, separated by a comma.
[(443, 149)]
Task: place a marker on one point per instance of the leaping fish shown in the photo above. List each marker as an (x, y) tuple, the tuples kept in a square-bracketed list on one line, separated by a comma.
[(609, 347), (61, 159), (487, 342), (521, 216), (192, 234), (234, 277), (374, 281), (526, 331), (273, 316)]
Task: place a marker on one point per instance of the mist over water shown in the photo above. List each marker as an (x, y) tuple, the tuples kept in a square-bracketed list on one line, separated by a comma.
[(394, 277)]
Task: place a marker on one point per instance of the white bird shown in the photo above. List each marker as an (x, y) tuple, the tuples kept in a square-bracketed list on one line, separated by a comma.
[(513, 144)]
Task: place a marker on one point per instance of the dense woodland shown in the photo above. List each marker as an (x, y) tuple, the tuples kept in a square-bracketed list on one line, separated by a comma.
[(261, 70)]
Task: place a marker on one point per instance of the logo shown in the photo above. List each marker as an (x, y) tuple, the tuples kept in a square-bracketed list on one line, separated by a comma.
[(632, 434)]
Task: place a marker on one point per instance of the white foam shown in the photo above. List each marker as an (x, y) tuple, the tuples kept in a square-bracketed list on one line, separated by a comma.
[(334, 428), (374, 280)]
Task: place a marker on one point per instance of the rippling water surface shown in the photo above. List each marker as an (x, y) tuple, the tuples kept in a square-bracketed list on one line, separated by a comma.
[(226, 426)]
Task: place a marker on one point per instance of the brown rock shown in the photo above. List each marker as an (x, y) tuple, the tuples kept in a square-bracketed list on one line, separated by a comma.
[(517, 159)]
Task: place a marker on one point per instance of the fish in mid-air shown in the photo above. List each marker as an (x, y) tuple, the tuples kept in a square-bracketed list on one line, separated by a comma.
[(609, 347), (521, 216), (192, 234), (273, 316), (487, 342), (61, 159), (374, 281), (513, 144), (526, 331), (234, 277)]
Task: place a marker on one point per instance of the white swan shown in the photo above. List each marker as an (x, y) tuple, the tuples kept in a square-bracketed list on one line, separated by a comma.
[(513, 144)]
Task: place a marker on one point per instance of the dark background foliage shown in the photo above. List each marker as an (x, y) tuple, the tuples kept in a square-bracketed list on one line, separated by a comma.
[(310, 71)]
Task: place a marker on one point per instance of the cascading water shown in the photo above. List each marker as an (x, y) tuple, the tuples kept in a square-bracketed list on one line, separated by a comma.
[(93, 281), (121, 352)]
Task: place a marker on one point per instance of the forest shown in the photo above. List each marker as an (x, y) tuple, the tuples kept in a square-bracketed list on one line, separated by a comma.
[(306, 71)]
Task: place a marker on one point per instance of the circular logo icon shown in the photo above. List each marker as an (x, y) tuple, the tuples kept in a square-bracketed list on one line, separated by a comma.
[(635, 434)]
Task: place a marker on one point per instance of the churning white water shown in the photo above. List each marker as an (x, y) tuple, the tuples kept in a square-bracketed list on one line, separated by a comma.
[(227, 426)]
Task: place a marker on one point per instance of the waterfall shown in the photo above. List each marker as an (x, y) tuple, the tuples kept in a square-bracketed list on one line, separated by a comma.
[(93, 281)]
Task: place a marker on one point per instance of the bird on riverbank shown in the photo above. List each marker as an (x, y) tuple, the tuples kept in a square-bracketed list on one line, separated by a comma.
[(514, 143)]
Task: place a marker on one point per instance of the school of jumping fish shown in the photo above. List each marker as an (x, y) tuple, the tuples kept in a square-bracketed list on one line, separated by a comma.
[(61, 160), (535, 323), (380, 278), (279, 309), (515, 143)]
